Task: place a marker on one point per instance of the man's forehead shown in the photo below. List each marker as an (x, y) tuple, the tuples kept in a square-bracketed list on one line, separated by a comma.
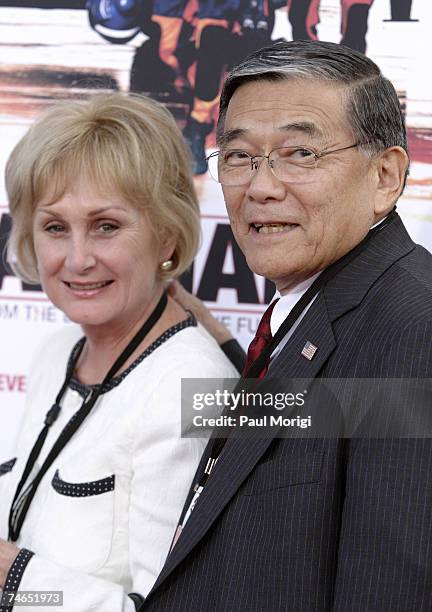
[(305, 128), (311, 108)]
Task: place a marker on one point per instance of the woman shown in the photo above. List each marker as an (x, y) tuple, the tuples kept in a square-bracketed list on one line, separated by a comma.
[(104, 211)]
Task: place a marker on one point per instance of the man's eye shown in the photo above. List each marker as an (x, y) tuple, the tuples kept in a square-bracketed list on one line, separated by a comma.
[(236, 158), (299, 154)]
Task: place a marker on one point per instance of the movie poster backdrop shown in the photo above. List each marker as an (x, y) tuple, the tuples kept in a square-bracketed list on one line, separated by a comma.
[(178, 51)]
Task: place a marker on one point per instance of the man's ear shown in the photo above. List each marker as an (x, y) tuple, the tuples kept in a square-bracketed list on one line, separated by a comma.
[(391, 166)]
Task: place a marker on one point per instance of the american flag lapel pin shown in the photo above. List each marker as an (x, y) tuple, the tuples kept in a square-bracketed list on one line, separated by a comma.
[(309, 350)]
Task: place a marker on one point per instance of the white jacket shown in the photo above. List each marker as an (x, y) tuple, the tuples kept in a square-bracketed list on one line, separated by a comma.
[(104, 515)]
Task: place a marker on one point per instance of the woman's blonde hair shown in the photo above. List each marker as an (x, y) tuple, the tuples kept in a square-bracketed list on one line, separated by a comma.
[(126, 144)]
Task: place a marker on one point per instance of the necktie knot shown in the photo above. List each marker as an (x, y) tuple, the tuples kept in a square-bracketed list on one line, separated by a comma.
[(263, 337)]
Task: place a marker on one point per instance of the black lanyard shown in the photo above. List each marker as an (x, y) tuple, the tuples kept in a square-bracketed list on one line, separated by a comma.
[(22, 499), (219, 442)]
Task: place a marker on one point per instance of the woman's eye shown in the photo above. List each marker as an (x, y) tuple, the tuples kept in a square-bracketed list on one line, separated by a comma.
[(107, 228), (55, 228)]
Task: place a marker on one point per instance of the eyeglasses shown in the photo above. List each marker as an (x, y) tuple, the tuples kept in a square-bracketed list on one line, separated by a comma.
[(289, 164)]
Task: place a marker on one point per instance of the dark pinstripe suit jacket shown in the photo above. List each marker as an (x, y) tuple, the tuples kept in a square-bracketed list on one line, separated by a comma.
[(317, 525)]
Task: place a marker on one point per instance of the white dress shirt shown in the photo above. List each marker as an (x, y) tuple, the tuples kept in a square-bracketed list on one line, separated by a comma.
[(284, 306)]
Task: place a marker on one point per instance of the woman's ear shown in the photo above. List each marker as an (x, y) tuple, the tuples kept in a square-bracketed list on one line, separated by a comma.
[(168, 243)]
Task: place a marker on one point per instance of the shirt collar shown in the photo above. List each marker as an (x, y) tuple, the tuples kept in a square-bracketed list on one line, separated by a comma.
[(287, 302)]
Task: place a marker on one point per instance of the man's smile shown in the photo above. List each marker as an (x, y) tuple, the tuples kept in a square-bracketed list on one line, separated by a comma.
[(272, 228)]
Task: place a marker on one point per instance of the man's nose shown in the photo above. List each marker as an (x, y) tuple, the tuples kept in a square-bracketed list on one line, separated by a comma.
[(80, 255), (263, 184)]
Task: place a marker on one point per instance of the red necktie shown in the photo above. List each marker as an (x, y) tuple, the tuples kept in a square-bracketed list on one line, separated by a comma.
[(263, 336)]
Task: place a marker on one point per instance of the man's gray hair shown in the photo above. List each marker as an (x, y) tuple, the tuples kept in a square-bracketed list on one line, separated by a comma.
[(372, 105)]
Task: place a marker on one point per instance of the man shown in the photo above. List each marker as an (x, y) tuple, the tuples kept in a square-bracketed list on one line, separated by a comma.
[(317, 524)]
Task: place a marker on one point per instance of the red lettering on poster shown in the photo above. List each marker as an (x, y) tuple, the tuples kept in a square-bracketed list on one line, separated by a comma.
[(13, 383)]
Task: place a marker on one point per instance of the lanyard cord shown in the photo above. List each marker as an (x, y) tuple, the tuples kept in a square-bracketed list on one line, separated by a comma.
[(22, 500), (219, 442)]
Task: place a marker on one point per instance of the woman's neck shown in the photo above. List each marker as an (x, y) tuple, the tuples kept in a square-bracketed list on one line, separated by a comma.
[(103, 346)]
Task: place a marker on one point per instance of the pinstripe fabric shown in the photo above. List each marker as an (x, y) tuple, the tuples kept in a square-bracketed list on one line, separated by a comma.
[(319, 525)]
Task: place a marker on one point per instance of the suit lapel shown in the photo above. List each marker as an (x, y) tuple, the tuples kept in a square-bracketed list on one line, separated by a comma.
[(350, 286), (316, 329)]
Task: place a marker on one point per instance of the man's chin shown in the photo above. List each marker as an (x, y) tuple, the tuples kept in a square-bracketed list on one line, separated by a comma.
[(278, 278), (284, 279), (273, 273)]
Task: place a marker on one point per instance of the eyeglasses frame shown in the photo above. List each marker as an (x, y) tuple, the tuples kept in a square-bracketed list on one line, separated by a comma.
[(317, 156)]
